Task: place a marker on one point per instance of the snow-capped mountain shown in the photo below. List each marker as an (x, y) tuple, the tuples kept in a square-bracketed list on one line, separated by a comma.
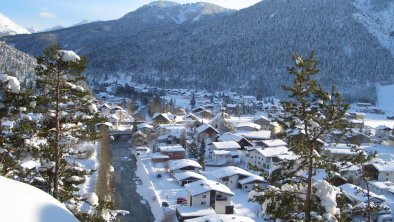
[(8, 27), (161, 11), (204, 46)]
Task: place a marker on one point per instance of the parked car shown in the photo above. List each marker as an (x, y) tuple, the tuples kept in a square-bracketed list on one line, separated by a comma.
[(181, 200), (164, 204)]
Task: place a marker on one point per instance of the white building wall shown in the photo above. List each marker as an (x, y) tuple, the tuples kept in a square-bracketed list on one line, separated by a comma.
[(231, 183), (199, 200), (386, 176)]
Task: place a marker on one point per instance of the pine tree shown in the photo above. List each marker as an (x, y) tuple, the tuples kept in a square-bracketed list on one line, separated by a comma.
[(68, 108), (192, 150), (193, 101), (201, 154), (13, 101), (313, 112)]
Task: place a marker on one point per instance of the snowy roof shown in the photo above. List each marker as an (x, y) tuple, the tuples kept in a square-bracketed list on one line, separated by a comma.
[(252, 178), (144, 125), (226, 145), (256, 135), (173, 148), (388, 167), (353, 192), (178, 164), (106, 123), (188, 174), (167, 116), (351, 168), (229, 171), (23, 202), (203, 186), (187, 211), (383, 185), (172, 126), (262, 117), (383, 127), (158, 156), (274, 151), (248, 124), (341, 151), (204, 127), (221, 218), (274, 143), (221, 152), (229, 137)]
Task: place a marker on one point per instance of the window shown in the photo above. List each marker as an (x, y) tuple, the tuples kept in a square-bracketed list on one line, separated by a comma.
[(203, 203), (387, 174), (204, 196)]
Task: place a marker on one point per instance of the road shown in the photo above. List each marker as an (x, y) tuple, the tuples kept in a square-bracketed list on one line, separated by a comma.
[(126, 196)]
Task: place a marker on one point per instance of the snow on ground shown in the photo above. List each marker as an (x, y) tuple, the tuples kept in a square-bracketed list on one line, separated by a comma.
[(386, 98), (384, 151), (22, 202), (386, 103)]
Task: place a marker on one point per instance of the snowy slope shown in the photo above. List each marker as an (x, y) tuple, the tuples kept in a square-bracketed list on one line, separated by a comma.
[(377, 17), (8, 27), (386, 98), (22, 202)]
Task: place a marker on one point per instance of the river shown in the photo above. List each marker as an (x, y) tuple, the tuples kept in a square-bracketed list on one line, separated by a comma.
[(126, 196)]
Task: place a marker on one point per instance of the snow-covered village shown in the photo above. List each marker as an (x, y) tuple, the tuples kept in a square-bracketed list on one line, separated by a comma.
[(195, 112)]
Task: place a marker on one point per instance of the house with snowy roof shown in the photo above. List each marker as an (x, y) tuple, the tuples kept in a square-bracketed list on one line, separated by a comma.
[(217, 148), (356, 195), (145, 128), (206, 131), (185, 213), (383, 132), (183, 165), (242, 141), (380, 171), (174, 152), (268, 159), (250, 182), (382, 187), (105, 109), (162, 118), (247, 126), (204, 193), (173, 131), (256, 137), (340, 151), (221, 123), (235, 177), (263, 121), (188, 177), (230, 175)]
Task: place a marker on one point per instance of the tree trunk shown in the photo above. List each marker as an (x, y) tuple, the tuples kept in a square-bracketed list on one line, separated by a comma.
[(57, 137), (308, 198), (1, 138)]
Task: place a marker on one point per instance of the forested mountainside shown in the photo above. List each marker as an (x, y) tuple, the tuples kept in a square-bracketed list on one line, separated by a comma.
[(171, 45), (15, 62)]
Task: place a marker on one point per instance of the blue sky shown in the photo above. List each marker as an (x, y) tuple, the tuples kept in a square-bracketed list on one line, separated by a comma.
[(48, 13)]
